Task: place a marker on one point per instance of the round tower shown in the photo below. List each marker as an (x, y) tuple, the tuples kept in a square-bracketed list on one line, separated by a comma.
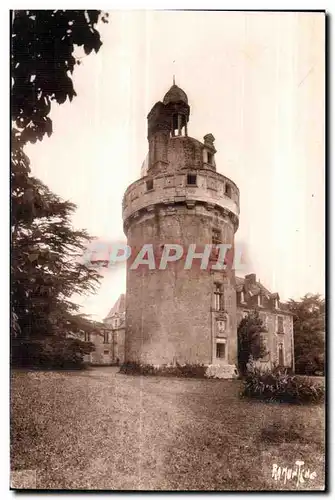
[(184, 312)]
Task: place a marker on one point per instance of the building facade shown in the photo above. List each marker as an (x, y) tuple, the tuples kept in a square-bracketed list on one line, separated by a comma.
[(277, 319), (178, 313), (109, 339)]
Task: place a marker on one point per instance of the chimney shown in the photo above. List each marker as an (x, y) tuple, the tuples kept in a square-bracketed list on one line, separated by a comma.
[(250, 279)]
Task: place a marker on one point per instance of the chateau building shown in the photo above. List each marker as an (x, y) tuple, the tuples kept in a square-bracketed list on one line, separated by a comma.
[(278, 320), (250, 296), (109, 340), (181, 314)]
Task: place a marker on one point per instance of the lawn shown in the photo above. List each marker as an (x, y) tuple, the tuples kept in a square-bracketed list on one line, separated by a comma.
[(98, 429)]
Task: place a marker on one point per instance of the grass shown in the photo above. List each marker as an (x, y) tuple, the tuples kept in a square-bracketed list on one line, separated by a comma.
[(99, 429)]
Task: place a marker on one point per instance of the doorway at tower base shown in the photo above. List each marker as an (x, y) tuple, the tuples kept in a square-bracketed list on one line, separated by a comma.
[(222, 371)]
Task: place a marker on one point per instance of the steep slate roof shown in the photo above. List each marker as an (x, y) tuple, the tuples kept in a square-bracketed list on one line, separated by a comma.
[(255, 289), (119, 307)]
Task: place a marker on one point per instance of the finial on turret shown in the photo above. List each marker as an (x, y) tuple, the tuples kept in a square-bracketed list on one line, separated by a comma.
[(174, 80)]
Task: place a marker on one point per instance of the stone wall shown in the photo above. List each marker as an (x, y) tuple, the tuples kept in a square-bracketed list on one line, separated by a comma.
[(169, 313), (107, 353), (172, 188)]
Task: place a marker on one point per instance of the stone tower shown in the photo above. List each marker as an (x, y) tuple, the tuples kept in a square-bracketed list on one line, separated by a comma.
[(177, 314)]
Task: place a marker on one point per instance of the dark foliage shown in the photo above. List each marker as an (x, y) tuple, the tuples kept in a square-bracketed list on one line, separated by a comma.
[(250, 341), (43, 60), (45, 265), (182, 371), (50, 353), (278, 385), (309, 334)]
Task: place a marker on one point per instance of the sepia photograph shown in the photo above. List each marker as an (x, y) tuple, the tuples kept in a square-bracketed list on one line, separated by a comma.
[(167, 250)]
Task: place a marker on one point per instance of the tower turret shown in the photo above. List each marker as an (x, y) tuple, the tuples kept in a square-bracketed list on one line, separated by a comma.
[(180, 314), (167, 119)]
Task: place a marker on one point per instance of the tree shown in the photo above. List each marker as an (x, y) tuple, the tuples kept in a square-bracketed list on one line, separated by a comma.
[(45, 248), (46, 266), (309, 333), (47, 329), (249, 339), (43, 60)]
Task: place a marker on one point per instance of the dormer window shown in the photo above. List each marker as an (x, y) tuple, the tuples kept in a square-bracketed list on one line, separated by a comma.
[(210, 157), (191, 179), (150, 185), (276, 304)]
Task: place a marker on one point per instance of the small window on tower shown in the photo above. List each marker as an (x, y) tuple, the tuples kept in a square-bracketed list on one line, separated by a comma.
[(228, 190), (218, 297), (210, 157), (150, 185), (216, 237), (220, 349), (191, 179), (105, 337)]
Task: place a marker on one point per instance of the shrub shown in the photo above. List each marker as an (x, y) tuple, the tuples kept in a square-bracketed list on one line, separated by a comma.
[(177, 370), (50, 353), (278, 385)]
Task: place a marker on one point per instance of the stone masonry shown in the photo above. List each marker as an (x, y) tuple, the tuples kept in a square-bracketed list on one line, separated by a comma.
[(172, 314), (177, 315)]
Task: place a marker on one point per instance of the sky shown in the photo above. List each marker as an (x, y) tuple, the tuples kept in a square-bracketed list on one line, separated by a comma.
[(254, 80)]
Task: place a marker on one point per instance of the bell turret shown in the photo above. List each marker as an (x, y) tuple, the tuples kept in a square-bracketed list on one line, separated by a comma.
[(167, 119)]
